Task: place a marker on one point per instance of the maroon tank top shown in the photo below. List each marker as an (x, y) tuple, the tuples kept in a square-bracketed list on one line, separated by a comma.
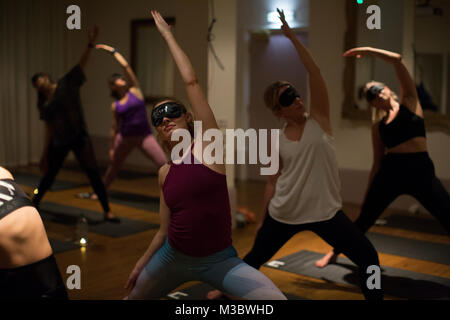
[(200, 221)]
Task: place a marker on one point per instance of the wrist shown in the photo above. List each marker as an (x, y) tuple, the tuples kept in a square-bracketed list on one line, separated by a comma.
[(167, 35)]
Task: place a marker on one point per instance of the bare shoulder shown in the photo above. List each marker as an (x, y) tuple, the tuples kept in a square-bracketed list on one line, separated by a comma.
[(137, 92), (162, 173), (5, 174)]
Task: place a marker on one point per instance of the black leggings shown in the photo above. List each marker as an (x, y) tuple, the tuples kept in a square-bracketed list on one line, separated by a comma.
[(84, 153), (412, 174), (339, 232), (40, 280)]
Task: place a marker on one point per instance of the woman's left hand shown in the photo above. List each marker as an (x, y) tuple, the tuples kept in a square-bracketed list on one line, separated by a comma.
[(285, 27), (161, 24)]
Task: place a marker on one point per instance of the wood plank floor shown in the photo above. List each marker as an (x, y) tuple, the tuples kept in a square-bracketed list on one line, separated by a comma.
[(107, 262)]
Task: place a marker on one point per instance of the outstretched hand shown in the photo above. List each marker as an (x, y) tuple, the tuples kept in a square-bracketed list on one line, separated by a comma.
[(93, 34), (285, 27), (161, 24), (105, 47), (356, 52)]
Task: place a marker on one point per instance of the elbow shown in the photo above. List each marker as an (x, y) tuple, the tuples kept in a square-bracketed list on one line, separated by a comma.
[(162, 232)]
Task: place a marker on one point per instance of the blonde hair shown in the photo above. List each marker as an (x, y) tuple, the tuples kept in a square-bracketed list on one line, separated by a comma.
[(271, 94), (164, 143), (377, 114)]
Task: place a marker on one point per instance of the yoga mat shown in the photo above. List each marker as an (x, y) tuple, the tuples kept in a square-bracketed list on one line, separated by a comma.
[(123, 174), (395, 282), (32, 180), (410, 248), (198, 292), (59, 213), (414, 223), (134, 200), (59, 246)]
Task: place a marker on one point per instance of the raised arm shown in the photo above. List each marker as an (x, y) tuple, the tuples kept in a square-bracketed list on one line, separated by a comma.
[(129, 73), (320, 103), (92, 36), (200, 107), (409, 95)]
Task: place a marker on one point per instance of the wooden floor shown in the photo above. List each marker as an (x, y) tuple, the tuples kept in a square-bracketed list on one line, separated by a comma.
[(107, 262)]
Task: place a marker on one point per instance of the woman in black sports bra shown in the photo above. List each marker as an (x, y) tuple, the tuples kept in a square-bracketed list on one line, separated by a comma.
[(28, 269), (401, 162)]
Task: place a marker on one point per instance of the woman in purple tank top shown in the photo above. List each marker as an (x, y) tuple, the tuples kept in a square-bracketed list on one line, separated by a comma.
[(194, 240), (130, 127)]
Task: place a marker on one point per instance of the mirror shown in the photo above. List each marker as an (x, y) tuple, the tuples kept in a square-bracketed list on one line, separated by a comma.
[(151, 59), (417, 30)]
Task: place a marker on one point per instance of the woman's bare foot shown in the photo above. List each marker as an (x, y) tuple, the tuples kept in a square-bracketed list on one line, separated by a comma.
[(111, 217), (94, 196), (327, 259), (214, 295)]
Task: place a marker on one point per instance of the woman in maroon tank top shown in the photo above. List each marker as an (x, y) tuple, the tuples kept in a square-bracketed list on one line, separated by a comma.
[(130, 128), (194, 239)]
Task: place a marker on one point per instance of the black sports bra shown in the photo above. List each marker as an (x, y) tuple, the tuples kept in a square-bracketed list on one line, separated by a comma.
[(12, 197), (405, 126)]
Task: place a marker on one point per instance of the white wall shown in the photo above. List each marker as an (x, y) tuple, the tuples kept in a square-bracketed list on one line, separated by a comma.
[(252, 17), (114, 20)]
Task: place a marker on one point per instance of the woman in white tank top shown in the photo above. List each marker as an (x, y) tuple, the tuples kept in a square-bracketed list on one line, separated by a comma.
[(305, 194)]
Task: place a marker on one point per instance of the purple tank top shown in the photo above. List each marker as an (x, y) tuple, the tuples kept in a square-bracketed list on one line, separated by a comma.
[(200, 221), (132, 117)]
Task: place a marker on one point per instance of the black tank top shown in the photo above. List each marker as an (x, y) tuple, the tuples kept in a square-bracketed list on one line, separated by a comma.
[(406, 125), (12, 197)]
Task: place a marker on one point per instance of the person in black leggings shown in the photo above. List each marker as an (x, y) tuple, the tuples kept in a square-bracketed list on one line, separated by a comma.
[(60, 108), (401, 161), (305, 192)]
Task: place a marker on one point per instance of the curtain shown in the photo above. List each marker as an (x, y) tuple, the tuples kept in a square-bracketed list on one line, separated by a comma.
[(32, 39)]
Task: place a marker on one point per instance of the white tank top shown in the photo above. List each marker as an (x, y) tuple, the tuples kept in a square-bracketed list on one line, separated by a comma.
[(308, 189)]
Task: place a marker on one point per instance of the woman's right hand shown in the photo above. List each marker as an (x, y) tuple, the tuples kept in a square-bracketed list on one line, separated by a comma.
[(134, 275), (105, 47), (161, 24)]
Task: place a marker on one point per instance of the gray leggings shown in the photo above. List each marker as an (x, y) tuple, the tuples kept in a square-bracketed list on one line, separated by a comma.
[(168, 269)]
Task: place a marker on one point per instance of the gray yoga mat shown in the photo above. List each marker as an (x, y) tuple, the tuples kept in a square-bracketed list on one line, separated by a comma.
[(414, 223), (59, 246), (59, 213), (134, 200), (410, 248), (123, 174), (198, 292), (395, 282), (32, 180)]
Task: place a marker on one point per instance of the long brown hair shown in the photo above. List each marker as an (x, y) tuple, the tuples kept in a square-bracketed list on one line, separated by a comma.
[(112, 80)]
